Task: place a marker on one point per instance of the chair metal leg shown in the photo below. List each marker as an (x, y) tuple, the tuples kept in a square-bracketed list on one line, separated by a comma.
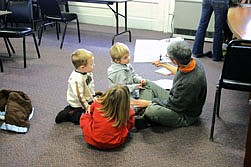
[(130, 36), (1, 65), (7, 46), (38, 33), (24, 51), (35, 41), (79, 39), (215, 110), (57, 29), (8, 40), (41, 33), (61, 45), (218, 102)]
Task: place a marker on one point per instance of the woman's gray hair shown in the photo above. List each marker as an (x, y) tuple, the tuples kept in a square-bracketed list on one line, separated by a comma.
[(179, 51)]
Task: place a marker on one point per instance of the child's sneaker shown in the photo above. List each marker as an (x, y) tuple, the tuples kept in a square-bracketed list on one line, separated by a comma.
[(62, 116), (141, 122)]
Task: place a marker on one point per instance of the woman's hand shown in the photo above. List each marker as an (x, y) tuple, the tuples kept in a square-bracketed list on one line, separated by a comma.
[(157, 63), (141, 103)]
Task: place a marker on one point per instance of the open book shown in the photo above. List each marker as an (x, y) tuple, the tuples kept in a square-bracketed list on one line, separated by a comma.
[(164, 83), (164, 71)]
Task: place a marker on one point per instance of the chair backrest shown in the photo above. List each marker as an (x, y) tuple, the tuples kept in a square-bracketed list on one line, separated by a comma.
[(237, 63), (3, 4), (21, 11), (49, 8)]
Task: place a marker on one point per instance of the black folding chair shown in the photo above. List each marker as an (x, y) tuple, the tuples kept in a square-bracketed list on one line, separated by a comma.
[(235, 75), (2, 7), (1, 65), (21, 13), (51, 13)]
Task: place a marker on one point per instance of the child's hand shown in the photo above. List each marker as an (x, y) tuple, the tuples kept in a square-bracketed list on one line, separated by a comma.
[(88, 110), (143, 82), (141, 87)]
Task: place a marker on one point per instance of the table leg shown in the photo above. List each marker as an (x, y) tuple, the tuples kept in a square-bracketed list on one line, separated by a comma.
[(1, 65), (247, 160), (117, 14), (249, 98)]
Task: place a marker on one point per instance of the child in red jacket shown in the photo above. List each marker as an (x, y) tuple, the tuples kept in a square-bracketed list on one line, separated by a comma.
[(109, 120)]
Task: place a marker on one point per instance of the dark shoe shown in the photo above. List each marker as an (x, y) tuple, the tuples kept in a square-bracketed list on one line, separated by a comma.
[(198, 56), (141, 122), (62, 116), (74, 115), (217, 59), (208, 54), (69, 114)]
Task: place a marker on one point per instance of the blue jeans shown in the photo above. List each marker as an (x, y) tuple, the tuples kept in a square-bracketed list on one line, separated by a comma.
[(219, 7)]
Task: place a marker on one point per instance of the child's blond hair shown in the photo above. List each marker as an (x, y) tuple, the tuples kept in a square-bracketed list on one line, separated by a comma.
[(116, 104), (80, 57), (118, 50)]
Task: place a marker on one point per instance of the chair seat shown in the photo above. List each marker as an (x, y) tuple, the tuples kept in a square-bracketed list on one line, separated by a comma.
[(235, 75), (15, 32), (236, 85), (21, 12), (51, 12), (67, 17)]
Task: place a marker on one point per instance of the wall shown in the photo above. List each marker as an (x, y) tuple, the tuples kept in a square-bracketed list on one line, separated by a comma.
[(187, 16), (142, 14), (156, 15)]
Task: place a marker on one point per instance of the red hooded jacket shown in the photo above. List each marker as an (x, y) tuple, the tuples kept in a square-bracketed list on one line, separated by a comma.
[(99, 132)]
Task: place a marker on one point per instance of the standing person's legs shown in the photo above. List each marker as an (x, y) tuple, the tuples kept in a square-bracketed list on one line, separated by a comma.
[(220, 12), (227, 33), (166, 117), (206, 13)]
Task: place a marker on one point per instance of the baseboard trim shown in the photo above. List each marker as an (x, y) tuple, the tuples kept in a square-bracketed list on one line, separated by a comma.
[(190, 37)]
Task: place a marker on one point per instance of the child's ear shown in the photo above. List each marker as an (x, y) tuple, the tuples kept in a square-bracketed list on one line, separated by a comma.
[(116, 60), (82, 66), (175, 62)]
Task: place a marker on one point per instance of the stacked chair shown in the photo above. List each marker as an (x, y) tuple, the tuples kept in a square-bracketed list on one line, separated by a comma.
[(15, 25), (52, 14), (2, 7)]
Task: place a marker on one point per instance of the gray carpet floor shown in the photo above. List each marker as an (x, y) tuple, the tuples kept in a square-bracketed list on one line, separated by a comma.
[(49, 144)]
